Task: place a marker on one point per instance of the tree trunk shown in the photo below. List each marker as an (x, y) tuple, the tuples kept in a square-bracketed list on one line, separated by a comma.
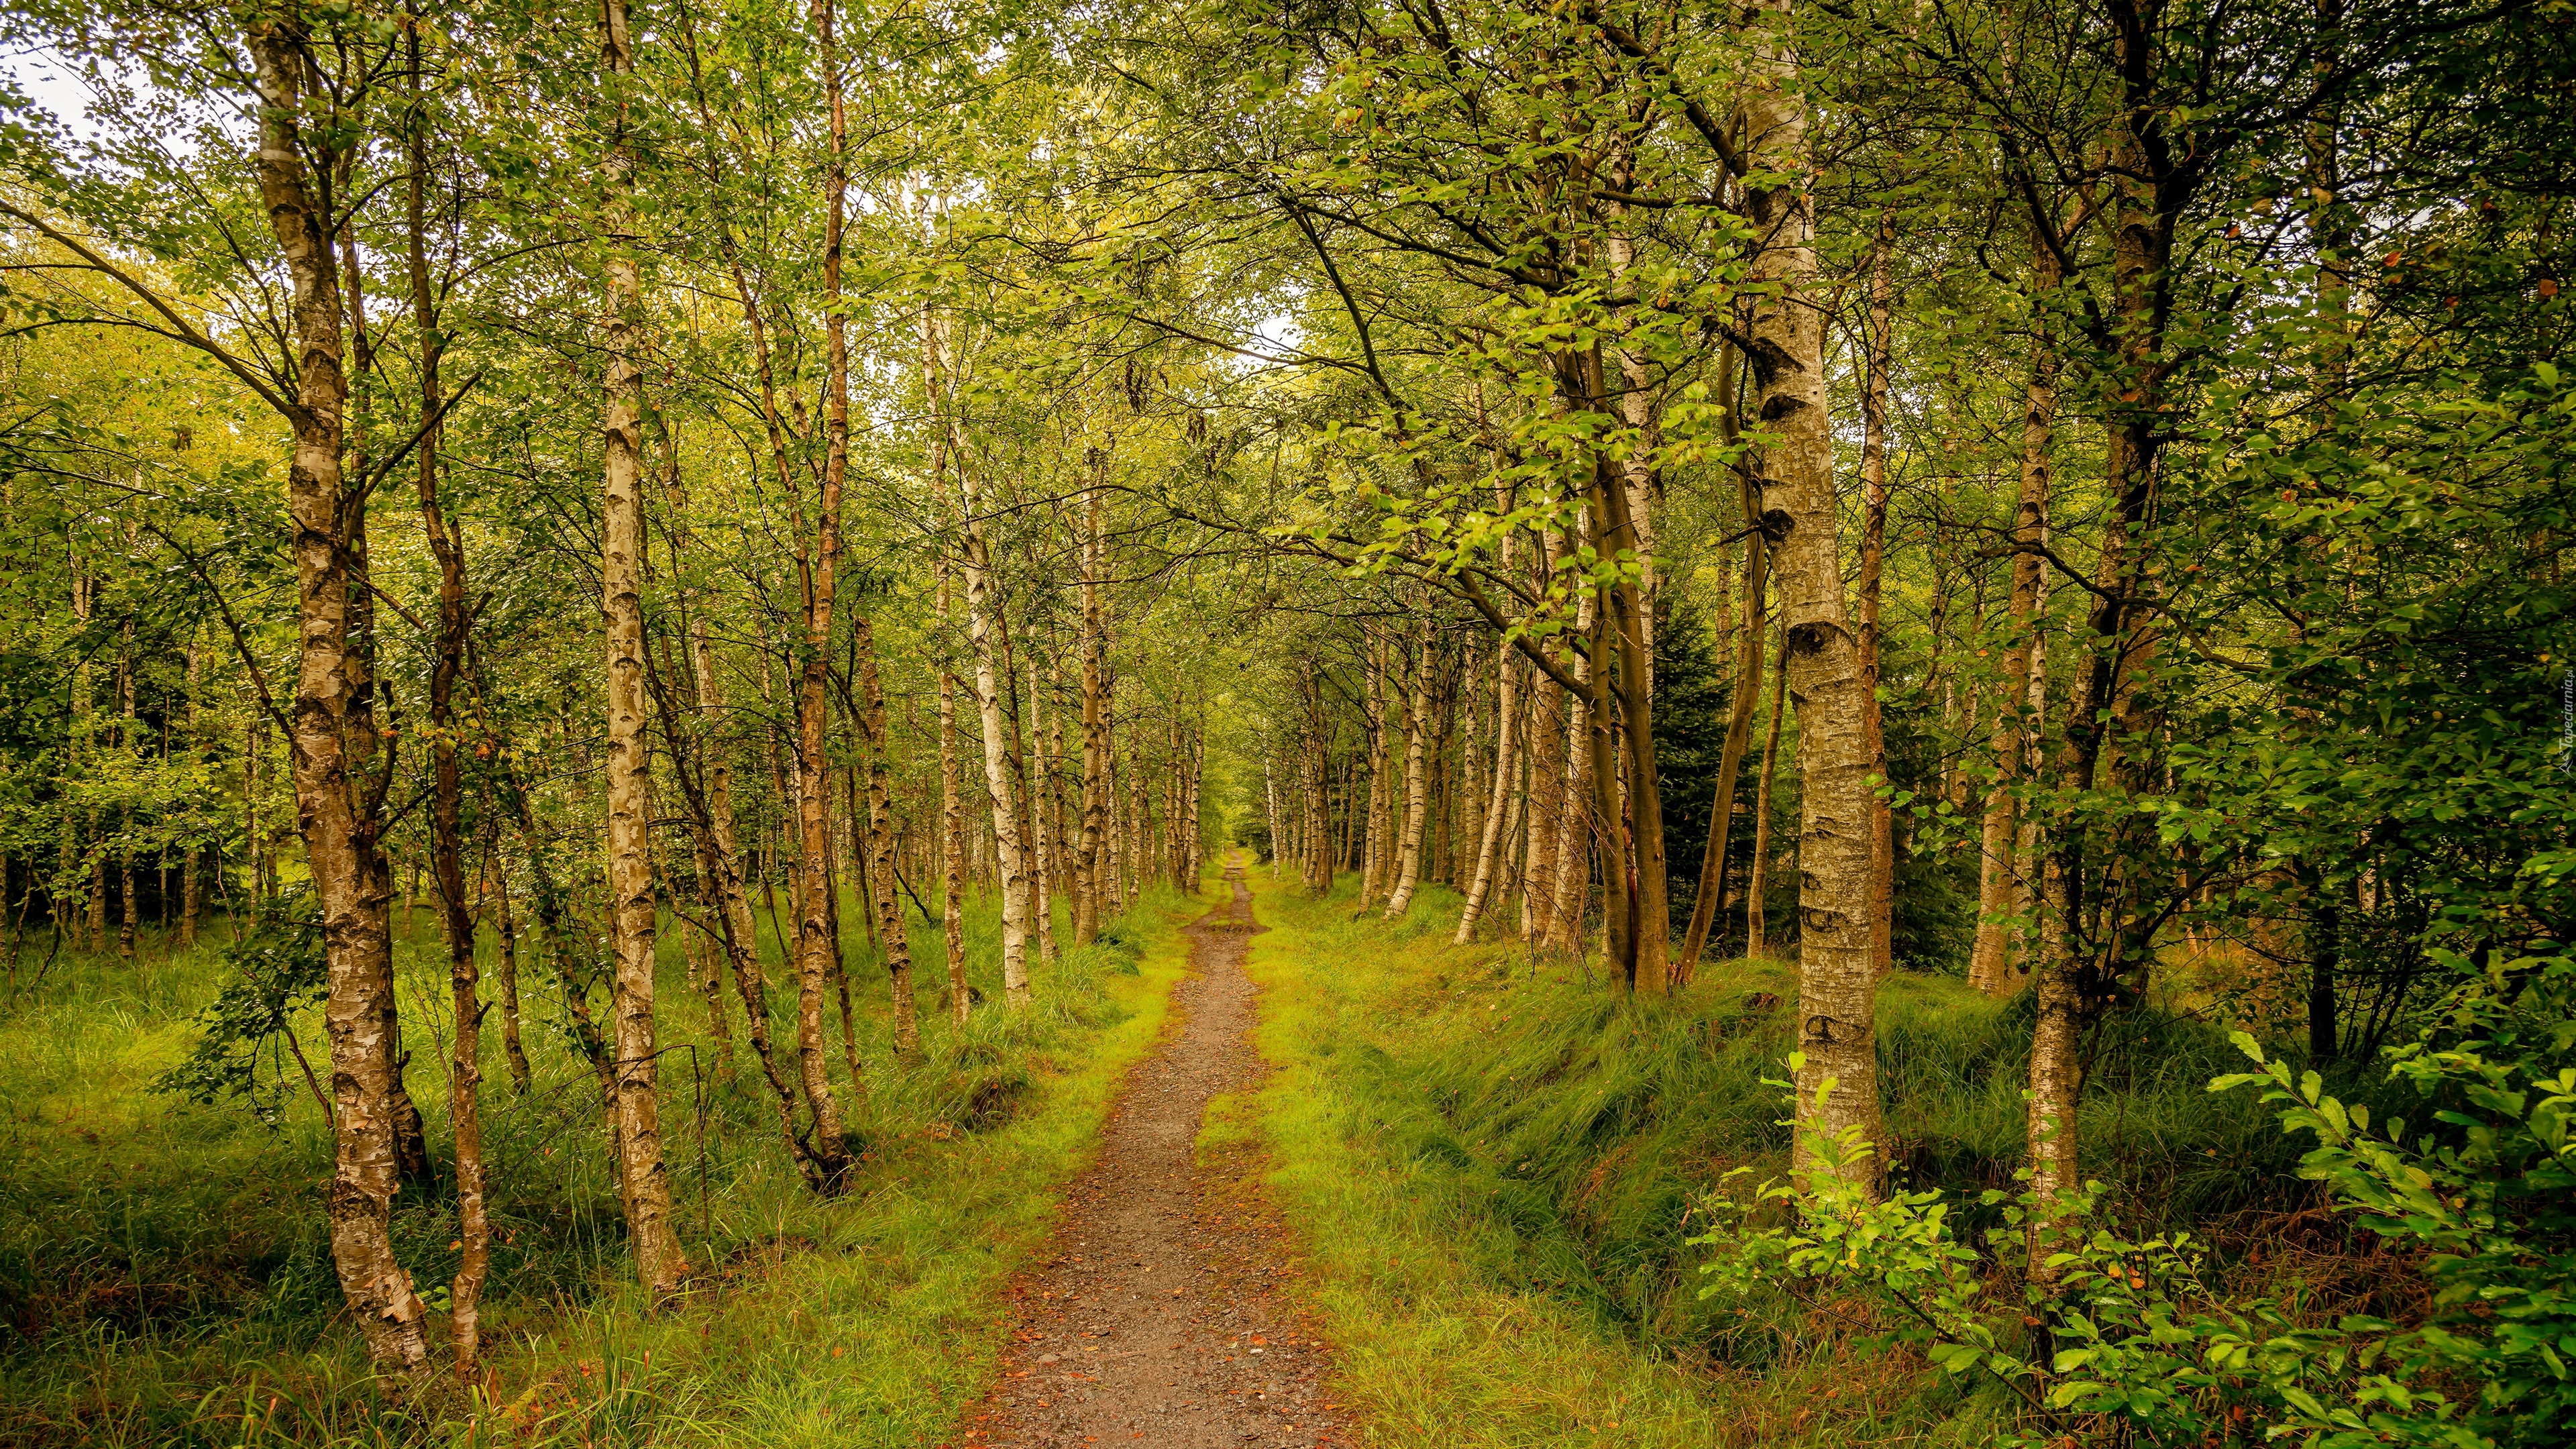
[(1508, 883), (1873, 554), (1494, 841), (708, 967), (129, 912), (952, 817), (1060, 838), (2071, 988), (1176, 797), (743, 943), (1749, 636), (411, 1137), (1315, 776), (2060, 979), (742, 929), (508, 980), (1569, 853), (2028, 868), (1757, 935), (1632, 631), (983, 605), (2056, 1085), (1167, 837), (1417, 708), (1639, 486), (1045, 871), (1547, 767), (1138, 851), (1190, 822), (1092, 872), (1321, 844), (1462, 779), (861, 872), (718, 885), (1837, 970), (1999, 871), (1114, 841), (1270, 810), (1608, 835), (2330, 223), (840, 972), (818, 581), (332, 735), (1016, 756), (739, 930), (1373, 862), (1344, 804), (447, 835), (70, 906), (189, 902), (1140, 823), (892, 937), (254, 840), (642, 1179), (550, 898), (1441, 842)]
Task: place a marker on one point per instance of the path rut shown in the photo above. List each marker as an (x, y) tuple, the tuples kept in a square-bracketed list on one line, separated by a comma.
[(1157, 1319)]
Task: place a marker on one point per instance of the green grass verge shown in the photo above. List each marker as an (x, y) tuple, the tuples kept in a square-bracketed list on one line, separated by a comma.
[(1493, 1161), (165, 1279)]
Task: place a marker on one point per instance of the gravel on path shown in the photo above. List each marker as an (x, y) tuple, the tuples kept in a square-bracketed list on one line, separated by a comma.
[(1156, 1320)]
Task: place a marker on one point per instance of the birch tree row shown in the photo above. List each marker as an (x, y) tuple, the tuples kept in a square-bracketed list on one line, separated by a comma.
[(2065, 495)]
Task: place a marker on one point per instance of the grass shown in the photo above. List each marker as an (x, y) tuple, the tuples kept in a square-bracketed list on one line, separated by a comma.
[(1494, 1162), (1490, 1163), (164, 1269)]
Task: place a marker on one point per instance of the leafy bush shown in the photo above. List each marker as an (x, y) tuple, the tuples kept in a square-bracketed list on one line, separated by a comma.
[(278, 970), (2137, 1334)]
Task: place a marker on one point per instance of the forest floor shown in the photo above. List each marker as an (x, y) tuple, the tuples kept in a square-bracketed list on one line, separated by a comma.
[(1492, 1168), (1158, 1314), (1136, 1213), (164, 1269)]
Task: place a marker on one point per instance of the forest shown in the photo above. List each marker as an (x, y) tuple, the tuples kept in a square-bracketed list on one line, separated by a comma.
[(1307, 722)]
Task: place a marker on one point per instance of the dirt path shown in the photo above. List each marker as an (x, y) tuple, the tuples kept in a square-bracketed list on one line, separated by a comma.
[(1155, 1322)]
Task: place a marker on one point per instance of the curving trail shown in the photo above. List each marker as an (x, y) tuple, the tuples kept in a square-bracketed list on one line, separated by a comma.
[(1155, 1321)]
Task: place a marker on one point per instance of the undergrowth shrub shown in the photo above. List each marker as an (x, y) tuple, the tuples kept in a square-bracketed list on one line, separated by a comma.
[(2139, 1338)]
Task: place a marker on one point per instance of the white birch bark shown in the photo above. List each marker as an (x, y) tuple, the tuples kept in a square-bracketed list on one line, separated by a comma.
[(1416, 780), (1008, 855), (1837, 965), (1506, 762), (642, 1178)]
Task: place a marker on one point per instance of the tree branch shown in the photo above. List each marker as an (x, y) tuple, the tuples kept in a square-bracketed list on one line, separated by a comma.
[(180, 330), (232, 622)]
